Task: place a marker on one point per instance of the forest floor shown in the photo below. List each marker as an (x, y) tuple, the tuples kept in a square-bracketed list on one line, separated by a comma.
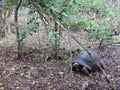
[(39, 71)]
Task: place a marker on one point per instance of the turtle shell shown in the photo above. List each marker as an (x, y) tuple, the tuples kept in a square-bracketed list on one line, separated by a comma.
[(85, 60)]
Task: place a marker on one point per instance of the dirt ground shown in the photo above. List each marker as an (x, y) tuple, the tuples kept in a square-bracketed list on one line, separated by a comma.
[(39, 71)]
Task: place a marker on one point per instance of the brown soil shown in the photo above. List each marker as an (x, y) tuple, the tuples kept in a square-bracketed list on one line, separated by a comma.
[(38, 72)]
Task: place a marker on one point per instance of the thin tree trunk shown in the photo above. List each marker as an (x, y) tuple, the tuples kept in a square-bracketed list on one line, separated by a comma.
[(17, 29)]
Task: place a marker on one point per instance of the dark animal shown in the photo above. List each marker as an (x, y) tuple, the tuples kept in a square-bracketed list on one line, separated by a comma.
[(87, 64)]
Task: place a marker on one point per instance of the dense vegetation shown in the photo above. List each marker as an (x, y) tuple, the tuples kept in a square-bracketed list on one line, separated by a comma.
[(100, 18)]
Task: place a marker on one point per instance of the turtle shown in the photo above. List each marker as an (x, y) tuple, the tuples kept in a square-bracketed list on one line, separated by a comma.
[(86, 63)]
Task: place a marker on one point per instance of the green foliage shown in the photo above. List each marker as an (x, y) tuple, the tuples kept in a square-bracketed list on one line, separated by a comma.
[(54, 38), (97, 16), (23, 34), (32, 22), (31, 30), (101, 32)]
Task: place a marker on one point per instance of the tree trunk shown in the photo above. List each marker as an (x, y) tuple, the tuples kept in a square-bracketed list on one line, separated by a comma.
[(17, 30), (2, 22), (56, 47)]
